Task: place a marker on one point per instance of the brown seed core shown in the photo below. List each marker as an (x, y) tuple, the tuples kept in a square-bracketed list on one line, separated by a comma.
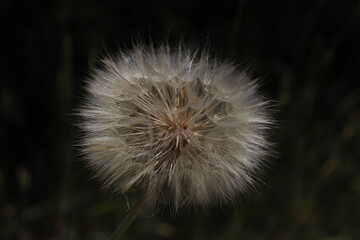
[(172, 129)]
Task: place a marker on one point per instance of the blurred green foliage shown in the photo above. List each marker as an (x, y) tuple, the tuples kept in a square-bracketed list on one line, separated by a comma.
[(307, 52)]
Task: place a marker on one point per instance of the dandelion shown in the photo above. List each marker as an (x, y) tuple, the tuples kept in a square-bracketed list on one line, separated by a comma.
[(175, 126)]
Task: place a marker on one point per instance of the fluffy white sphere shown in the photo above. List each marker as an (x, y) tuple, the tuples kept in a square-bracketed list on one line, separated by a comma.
[(175, 126)]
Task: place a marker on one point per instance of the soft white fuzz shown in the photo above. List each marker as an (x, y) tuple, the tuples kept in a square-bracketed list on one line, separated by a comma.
[(175, 126)]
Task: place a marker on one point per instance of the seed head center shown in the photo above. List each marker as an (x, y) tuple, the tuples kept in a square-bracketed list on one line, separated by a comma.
[(177, 126)]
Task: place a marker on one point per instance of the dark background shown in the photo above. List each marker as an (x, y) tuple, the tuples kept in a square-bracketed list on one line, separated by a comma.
[(307, 52)]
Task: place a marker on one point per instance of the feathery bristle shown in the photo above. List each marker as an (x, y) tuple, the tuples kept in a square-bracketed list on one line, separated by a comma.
[(175, 126)]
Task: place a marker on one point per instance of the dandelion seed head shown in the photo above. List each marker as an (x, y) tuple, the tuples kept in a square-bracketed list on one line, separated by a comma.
[(175, 126)]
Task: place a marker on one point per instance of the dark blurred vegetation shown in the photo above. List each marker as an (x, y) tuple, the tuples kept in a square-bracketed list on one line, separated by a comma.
[(308, 53)]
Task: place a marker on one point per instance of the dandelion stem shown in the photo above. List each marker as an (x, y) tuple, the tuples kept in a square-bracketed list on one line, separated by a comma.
[(128, 219)]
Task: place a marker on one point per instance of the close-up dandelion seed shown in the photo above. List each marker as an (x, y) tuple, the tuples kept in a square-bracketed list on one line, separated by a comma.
[(175, 120), (176, 126)]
